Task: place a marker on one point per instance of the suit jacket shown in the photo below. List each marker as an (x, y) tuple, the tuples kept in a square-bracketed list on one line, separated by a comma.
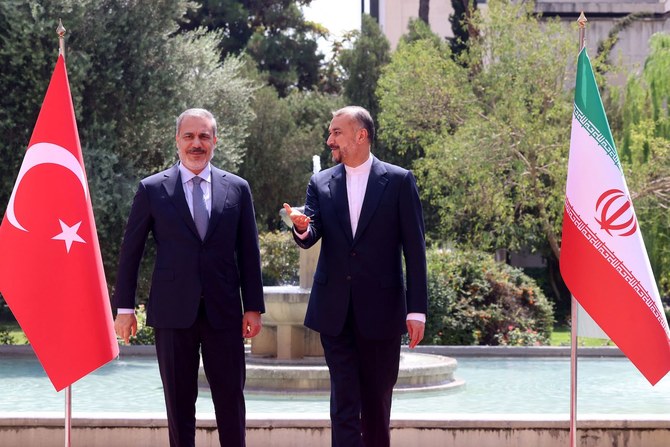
[(187, 269), (365, 269)]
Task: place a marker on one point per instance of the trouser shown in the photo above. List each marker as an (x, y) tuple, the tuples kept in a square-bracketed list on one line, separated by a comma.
[(178, 352), (362, 375)]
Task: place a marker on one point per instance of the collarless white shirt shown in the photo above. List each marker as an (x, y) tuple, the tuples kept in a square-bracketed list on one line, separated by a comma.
[(357, 183)]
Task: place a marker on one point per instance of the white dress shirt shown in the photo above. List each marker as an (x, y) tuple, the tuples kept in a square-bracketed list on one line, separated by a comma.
[(205, 185), (357, 183)]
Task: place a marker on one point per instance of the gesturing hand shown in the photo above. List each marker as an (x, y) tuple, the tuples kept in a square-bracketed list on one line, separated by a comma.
[(300, 221)]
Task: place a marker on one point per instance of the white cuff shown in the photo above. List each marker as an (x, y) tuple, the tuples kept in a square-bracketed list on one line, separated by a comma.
[(125, 311), (417, 316), (301, 236)]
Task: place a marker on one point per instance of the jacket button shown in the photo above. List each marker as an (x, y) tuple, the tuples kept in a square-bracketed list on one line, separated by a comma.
[(353, 253), (348, 278)]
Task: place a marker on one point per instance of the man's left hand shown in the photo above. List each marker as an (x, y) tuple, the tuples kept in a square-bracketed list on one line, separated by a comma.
[(251, 324), (415, 329)]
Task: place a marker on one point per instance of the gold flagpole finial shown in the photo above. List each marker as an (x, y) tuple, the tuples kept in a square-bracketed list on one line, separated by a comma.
[(61, 38), (581, 21)]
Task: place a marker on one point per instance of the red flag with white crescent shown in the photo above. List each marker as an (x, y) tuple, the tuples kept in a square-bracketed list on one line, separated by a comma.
[(51, 272)]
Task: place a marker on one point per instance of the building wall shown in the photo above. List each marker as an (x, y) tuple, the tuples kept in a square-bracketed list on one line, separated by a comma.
[(394, 15), (602, 15), (454, 431)]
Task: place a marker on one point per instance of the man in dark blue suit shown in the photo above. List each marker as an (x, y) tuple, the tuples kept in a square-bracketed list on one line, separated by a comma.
[(368, 216), (202, 221)]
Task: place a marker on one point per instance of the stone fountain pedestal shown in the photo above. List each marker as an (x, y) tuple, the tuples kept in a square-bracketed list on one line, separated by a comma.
[(284, 337), (287, 358)]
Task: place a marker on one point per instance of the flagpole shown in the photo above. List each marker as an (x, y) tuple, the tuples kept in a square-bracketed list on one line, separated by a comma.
[(61, 38), (573, 372), (68, 414), (60, 30), (573, 304)]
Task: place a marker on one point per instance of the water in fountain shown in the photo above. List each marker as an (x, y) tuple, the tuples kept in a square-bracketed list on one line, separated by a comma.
[(287, 357)]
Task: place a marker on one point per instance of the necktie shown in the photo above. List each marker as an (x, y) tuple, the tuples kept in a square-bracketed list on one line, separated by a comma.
[(200, 215)]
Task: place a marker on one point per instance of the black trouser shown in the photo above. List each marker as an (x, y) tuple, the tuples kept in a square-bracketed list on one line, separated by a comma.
[(178, 353), (362, 375)]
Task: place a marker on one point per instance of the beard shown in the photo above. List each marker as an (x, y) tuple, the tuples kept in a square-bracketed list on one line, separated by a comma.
[(336, 155)]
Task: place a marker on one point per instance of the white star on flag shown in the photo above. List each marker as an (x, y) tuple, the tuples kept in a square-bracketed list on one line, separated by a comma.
[(69, 234), (47, 290)]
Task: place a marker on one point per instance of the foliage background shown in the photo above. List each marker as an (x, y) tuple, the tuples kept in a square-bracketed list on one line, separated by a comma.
[(477, 301), (481, 120)]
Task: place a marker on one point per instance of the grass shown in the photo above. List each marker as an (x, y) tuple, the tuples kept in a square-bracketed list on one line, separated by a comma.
[(561, 337), (15, 332)]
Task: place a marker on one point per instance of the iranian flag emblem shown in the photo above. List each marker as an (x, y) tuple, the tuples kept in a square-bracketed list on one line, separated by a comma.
[(603, 258)]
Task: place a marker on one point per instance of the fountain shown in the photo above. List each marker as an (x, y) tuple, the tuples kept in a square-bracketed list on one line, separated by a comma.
[(286, 357)]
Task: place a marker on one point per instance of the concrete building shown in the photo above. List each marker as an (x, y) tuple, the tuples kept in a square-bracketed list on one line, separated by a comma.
[(394, 15), (602, 15)]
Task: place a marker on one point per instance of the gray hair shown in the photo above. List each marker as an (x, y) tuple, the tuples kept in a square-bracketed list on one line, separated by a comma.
[(361, 116), (197, 112)]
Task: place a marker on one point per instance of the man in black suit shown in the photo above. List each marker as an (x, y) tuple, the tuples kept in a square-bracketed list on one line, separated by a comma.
[(368, 216), (202, 221)]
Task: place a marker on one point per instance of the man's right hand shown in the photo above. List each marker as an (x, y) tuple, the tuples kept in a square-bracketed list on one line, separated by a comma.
[(300, 221), (125, 325)]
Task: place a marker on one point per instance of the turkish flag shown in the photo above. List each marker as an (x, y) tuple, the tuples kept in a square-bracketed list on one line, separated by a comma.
[(51, 271)]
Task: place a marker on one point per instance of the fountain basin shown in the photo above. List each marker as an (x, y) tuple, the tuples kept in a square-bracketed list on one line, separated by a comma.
[(285, 305), (418, 372)]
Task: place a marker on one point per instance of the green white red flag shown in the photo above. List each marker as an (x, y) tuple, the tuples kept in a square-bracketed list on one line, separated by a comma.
[(603, 258), (51, 271)]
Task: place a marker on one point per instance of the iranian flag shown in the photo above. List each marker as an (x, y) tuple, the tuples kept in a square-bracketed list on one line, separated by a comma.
[(603, 258)]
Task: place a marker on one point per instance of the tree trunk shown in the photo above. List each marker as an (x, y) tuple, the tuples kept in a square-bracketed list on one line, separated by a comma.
[(424, 7)]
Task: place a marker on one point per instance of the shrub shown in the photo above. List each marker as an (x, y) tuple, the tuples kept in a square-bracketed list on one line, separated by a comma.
[(6, 337), (280, 258), (145, 334), (474, 300)]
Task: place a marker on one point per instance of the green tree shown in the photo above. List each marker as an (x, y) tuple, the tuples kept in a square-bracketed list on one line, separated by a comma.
[(645, 152), (285, 135), (461, 21), (230, 17), (490, 140), (363, 64), (420, 94), (129, 81), (274, 32)]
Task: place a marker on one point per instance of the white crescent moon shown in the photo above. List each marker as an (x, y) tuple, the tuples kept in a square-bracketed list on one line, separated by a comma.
[(39, 154)]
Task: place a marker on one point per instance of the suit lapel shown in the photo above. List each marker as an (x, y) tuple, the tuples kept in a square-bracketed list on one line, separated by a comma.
[(377, 182), (219, 193), (338, 193), (175, 191)]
